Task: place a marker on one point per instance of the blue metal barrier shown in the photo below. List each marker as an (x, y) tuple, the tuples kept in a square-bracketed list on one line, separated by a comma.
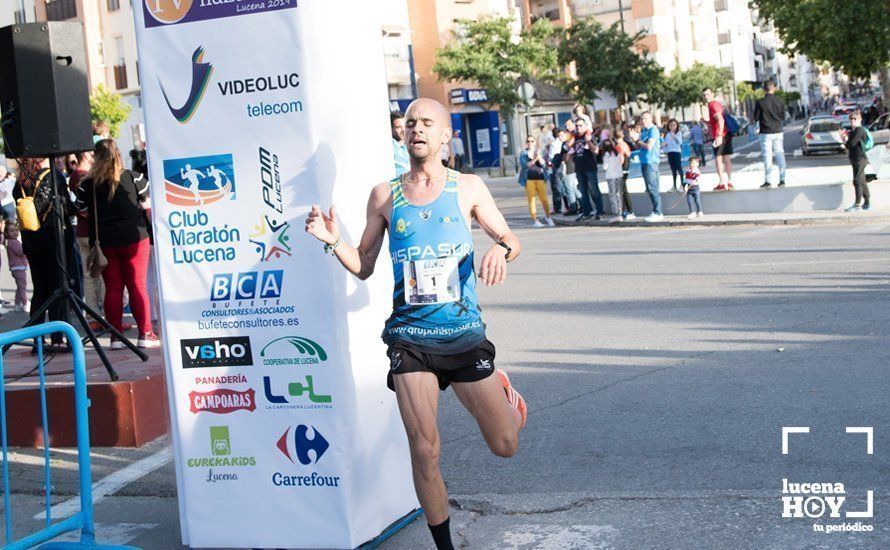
[(82, 520)]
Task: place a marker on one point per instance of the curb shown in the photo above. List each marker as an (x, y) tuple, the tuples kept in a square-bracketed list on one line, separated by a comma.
[(813, 220)]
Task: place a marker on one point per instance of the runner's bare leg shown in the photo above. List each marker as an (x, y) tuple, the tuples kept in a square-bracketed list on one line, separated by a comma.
[(498, 421)]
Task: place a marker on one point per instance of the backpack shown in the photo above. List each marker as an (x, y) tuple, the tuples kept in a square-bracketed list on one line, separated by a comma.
[(868, 142), (26, 210), (732, 125)]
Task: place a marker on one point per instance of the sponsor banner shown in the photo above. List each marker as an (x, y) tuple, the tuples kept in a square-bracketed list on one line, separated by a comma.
[(276, 375)]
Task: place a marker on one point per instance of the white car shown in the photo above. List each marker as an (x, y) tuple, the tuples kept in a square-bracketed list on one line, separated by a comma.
[(822, 134), (880, 129)]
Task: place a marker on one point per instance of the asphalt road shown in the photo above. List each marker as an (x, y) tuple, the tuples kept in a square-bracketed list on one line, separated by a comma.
[(659, 366)]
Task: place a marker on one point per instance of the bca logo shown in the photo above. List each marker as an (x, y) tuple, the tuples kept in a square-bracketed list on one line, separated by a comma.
[(300, 444), (168, 11), (224, 351), (247, 286)]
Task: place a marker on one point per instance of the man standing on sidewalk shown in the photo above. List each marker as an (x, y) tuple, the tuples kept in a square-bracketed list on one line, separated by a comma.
[(584, 152), (457, 151), (722, 140), (649, 141), (769, 114)]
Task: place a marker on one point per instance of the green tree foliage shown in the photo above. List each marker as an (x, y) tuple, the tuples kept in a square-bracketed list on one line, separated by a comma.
[(747, 92), (682, 88), (850, 35), (606, 58), (108, 107), (486, 52)]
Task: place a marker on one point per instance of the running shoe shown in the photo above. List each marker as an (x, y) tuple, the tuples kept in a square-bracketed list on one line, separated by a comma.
[(537, 223), (691, 215), (700, 214), (729, 187), (630, 216), (115, 344), (766, 185), (513, 398), (148, 340), (720, 187), (654, 218), (549, 222), (781, 184), (854, 208), (866, 206)]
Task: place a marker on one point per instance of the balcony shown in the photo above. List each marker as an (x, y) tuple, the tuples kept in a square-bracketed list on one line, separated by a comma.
[(120, 77), (60, 10)]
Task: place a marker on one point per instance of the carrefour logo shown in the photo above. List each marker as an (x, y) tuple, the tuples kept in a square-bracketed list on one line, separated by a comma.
[(158, 13), (199, 181)]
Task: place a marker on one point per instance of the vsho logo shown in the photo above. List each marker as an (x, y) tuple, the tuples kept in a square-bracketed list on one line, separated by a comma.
[(223, 351), (263, 285)]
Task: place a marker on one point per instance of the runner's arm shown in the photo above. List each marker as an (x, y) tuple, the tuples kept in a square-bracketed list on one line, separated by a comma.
[(493, 268), (357, 260)]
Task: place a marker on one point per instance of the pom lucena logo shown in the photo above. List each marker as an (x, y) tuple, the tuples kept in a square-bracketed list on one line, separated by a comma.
[(168, 11)]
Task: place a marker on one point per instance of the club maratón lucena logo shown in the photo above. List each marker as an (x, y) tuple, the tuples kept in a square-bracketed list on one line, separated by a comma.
[(824, 501), (222, 463), (254, 95), (160, 13)]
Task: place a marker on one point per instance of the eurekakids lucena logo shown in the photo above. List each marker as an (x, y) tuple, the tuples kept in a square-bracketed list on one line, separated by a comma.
[(201, 73), (160, 13)]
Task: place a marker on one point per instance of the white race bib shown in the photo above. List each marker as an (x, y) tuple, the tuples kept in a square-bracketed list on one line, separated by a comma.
[(432, 281)]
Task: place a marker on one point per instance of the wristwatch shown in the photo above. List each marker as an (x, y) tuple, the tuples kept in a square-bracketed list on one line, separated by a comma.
[(507, 248)]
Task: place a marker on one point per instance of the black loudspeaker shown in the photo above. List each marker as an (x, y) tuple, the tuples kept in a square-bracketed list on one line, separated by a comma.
[(44, 92)]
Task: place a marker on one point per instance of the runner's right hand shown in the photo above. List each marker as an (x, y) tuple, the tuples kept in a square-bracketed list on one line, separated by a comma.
[(323, 226)]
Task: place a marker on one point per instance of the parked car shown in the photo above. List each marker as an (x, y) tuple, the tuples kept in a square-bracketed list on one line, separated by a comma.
[(822, 134), (880, 129)]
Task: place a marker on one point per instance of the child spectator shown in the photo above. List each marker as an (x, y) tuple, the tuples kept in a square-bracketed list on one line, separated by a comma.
[(18, 265), (613, 163), (693, 193)]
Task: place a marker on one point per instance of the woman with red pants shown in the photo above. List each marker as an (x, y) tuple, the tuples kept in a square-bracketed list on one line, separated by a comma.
[(121, 198)]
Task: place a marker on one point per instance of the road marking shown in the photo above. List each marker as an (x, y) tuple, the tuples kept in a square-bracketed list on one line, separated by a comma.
[(753, 155), (854, 261), (112, 483), (798, 152), (111, 533), (753, 167)]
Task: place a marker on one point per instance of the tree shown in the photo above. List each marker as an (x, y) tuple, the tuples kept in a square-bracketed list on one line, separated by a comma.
[(487, 52), (853, 37), (608, 59), (108, 107), (683, 87), (747, 92)]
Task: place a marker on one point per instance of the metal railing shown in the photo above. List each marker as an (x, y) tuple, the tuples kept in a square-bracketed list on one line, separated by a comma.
[(82, 520)]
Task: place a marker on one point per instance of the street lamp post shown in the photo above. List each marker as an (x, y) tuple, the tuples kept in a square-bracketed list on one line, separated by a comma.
[(621, 17)]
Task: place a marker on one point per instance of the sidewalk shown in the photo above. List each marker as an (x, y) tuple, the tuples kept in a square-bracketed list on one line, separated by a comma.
[(816, 217)]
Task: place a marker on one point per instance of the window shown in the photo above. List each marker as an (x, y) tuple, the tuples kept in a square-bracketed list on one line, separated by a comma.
[(20, 18), (60, 10), (113, 5), (120, 64)]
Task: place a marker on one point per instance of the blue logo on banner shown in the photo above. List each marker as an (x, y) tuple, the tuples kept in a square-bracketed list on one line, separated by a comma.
[(264, 285), (199, 181), (303, 444)]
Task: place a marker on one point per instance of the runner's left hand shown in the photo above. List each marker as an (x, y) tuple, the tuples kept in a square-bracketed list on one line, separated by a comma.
[(493, 269)]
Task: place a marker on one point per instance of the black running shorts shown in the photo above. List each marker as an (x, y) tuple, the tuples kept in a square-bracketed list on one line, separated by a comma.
[(470, 366), (725, 147)]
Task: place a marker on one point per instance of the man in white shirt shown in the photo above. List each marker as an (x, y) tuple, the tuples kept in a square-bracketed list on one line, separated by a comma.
[(457, 150), (556, 170), (7, 203)]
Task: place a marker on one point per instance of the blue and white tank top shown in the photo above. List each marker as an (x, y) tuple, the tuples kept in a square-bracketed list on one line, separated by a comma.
[(435, 308)]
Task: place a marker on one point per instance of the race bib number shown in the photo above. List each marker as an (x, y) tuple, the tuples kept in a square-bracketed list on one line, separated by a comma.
[(432, 281)]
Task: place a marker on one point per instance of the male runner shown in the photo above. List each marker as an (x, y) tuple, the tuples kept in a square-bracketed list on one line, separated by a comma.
[(435, 334)]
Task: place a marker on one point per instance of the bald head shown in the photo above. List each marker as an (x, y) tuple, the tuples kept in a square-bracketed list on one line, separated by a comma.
[(427, 128)]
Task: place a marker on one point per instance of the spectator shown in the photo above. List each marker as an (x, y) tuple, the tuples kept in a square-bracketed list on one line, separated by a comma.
[(649, 141), (139, 160), (445, 154), (624, 143), (7, 203), (399, 149), (572, 194), (581, 114), (584, 152), (693, 192), (458, 153), (673, 147), (613, 163), (855, 143), (93, 287), (36, 180), (100, 131), (531, 176), (121, 196), (769, 114), (697, 135), (554, 168), (18, 264), (722, 141)]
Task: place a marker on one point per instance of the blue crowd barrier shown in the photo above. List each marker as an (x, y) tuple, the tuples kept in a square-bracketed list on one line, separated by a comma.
[(82, 520)]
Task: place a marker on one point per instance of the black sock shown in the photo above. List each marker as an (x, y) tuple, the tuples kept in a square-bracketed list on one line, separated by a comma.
[(442, 535)]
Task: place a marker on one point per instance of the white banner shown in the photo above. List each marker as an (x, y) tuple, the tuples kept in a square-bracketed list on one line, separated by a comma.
[(284, 432)]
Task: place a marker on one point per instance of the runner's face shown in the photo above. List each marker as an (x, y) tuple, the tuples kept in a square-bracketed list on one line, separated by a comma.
[(425, 131)]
